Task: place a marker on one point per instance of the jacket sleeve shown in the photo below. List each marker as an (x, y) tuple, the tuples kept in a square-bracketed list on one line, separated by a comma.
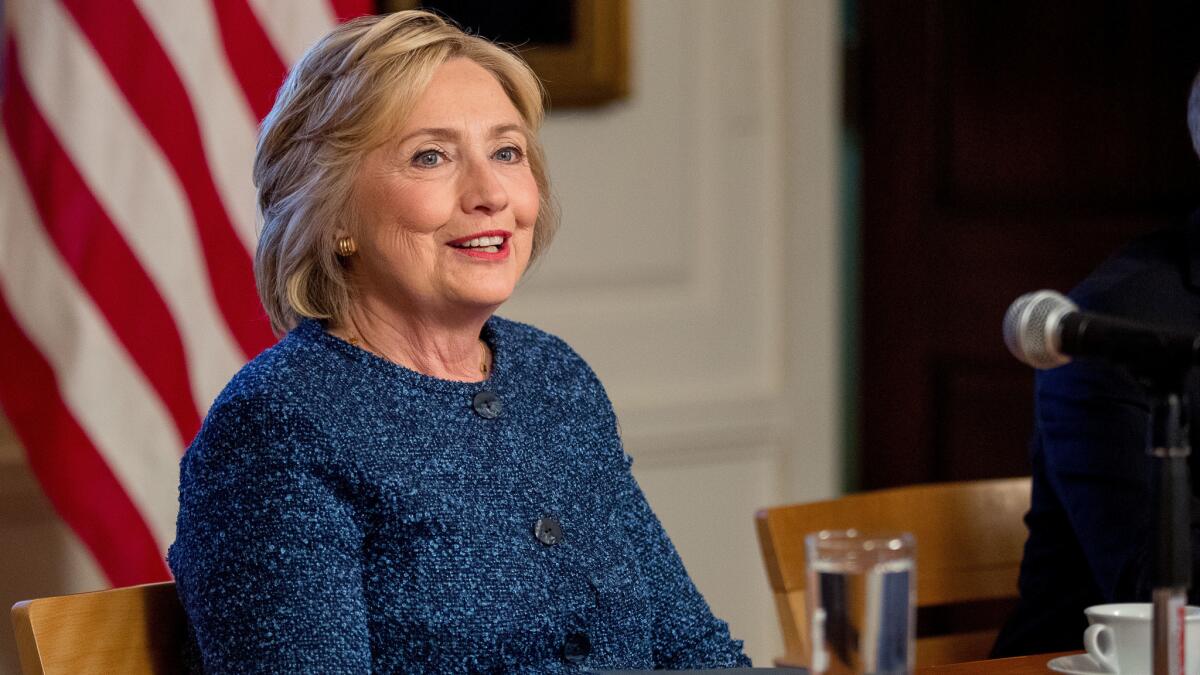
[(266, 557), (686, 634)]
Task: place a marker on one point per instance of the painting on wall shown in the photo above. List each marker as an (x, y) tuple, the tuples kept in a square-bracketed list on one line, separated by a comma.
[(579, 48)]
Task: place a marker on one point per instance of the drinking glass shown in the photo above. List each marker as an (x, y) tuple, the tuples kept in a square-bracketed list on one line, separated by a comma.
[(861, 601)]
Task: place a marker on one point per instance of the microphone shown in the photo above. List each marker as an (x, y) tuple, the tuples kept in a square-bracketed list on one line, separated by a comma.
[(1044, 329)]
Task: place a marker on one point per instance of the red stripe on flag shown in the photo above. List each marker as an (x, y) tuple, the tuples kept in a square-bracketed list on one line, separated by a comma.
[(345, 10), (97, 254), (73, 475), (144, 73), (254, 61)]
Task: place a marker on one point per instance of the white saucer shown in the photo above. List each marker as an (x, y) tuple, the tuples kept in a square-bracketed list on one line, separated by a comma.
[(1076, 664)]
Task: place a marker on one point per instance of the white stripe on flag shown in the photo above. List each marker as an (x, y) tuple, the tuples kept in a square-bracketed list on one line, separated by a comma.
[(190, 36), (294, 25), (131, 179), (99, 383)]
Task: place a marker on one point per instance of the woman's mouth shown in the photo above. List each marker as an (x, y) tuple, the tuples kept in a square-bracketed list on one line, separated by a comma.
[(485, 245)]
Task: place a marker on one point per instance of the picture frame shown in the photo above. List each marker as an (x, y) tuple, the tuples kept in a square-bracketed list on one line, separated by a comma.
[(583, 64)]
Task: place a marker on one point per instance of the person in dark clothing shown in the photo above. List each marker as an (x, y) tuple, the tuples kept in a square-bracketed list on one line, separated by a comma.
[(1090, 521), (1090, 527)]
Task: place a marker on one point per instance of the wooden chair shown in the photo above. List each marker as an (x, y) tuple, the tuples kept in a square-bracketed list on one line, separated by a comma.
[(970, 537), (135, 630)]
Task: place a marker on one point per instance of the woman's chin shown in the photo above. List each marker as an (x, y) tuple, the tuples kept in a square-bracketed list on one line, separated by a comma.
[(481, 300), (480, 290)]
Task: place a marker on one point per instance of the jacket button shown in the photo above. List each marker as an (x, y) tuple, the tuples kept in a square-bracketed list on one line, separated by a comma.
[(576, 647), (548, 530), (487, 404)]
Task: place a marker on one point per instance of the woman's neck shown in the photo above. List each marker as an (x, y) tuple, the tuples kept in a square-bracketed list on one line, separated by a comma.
[(447, 350)]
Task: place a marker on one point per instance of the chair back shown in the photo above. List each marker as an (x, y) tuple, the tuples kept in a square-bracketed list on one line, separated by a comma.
[(135, 630), (969, 535)]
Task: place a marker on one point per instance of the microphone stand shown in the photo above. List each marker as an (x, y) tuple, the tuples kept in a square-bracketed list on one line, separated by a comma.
[(1169, 448)]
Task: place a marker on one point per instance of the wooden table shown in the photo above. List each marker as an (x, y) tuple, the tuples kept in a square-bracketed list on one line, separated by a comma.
[(1018, 665)]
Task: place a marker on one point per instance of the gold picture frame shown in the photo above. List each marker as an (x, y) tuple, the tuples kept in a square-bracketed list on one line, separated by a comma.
[(592, 69)]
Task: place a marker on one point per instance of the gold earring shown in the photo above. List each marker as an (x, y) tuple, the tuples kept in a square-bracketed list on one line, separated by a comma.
[(346, 246)]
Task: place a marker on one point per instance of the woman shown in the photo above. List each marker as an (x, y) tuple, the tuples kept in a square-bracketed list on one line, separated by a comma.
[(407, 482)]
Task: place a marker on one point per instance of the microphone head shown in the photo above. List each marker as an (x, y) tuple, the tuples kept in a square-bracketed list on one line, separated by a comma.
[(1031, 328)]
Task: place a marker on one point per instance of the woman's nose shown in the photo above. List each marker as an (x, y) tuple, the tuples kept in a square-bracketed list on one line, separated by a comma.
[(482, 190)]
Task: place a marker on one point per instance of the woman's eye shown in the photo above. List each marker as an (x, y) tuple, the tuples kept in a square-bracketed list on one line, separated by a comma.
[(427, 158), (509, 154)]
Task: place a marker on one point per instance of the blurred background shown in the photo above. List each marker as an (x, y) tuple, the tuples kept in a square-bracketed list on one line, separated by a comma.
[(791, 229)]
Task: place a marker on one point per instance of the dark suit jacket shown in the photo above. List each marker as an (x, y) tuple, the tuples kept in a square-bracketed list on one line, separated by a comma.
[(1090, 524)]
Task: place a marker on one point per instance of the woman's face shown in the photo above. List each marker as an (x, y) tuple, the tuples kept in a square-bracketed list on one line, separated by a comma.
[(448, 205)]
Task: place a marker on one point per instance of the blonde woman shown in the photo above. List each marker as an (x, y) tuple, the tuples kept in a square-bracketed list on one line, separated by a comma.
[(406, 482)]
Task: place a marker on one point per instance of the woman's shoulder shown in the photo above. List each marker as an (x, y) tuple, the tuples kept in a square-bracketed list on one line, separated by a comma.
[(534, 345), (295, 369), (277, 395), (545, 361)]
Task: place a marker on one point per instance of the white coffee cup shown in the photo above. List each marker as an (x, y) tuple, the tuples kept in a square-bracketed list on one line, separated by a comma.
[(1119, 638)]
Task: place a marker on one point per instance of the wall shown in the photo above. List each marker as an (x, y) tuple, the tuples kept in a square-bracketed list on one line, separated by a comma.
[(696, 271)]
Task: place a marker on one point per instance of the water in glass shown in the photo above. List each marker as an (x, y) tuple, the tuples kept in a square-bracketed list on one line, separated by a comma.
[(861, 603)]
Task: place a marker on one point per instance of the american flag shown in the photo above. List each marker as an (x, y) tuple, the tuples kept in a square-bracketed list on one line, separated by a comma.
[(127, 226)]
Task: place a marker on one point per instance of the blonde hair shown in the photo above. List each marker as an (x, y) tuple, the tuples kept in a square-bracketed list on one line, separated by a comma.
[(347, 95)]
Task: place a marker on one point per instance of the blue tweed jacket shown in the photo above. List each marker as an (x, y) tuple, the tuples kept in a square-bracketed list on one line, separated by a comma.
[(340, 514)]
